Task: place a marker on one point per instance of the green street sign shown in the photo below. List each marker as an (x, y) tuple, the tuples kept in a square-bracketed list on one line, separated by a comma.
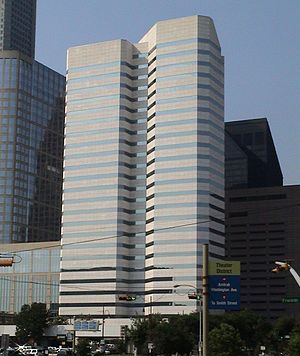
[(290, 300)]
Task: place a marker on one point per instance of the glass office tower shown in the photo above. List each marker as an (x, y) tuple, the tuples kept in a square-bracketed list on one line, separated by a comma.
[(17, 26), (31, 139), (143, 170), (31, 132)]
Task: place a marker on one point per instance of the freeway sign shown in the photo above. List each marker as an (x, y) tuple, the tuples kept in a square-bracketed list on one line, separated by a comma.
[(290, 300)]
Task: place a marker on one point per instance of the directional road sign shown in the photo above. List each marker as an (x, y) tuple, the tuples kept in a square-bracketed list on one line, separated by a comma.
[(290, 300), (224, 292)]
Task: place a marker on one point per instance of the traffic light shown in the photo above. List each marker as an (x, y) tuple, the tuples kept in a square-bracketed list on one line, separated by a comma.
[(194, 296), (128, 298), (6, 262), (131, 298)]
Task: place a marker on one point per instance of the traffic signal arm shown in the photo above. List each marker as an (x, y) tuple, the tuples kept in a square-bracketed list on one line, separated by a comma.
[(284, 266), (295, 275), (281, 266)]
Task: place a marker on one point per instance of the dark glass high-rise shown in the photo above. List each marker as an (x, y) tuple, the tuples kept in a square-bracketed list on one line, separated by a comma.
[(31, 132)]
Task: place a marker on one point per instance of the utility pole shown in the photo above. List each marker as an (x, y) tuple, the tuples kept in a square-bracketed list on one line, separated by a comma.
[(74, 335), (103, 322), (200, 324), (205, 299)]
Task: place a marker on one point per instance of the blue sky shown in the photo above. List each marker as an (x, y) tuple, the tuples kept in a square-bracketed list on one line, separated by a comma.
[(260, 40)]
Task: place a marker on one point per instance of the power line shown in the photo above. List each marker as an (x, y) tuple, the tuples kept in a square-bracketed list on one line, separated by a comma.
[(126, 289), (250, 211), (106, 238)]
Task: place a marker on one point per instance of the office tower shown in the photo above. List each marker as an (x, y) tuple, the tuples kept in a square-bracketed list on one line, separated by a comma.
[(143, 170), (31, 152), (17, 26), (262, 226), (31, 134), (262, 218), (251, 159)]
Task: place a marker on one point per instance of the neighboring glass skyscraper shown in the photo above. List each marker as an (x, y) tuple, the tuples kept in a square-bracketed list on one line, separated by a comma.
[(34, 280), (143, 170), (17, 25), (31, 133)]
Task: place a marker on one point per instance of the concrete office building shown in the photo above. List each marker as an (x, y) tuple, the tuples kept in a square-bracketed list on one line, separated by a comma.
[(262, 218), (31, 133), (143, 170)]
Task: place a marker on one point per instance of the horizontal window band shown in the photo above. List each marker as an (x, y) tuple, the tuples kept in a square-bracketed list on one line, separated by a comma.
[(91, 269), (191, 133), (93, 88), (195, 169), (126, 269), (198, 121), (96, 199), (104, 176), (76, 69), (103, 222), (186, 145), (98, 99), (189, 41), (192, 241), (125, 304), (85, 166), (116, 293), (171, 254), (177, 88), (106, 75), (114, 280), (102, 210), (91, 121), (163, 67), (103, 153), (190, 109), (105, 142), (189, 98), (191, 74), (96, 304), (194, 52)]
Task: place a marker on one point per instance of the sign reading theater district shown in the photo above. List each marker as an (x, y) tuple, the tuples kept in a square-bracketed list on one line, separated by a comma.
[(224, 285)]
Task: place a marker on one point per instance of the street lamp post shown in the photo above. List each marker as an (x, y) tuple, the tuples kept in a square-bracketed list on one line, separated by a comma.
[(203, 306), (196, 295), (104, 313)]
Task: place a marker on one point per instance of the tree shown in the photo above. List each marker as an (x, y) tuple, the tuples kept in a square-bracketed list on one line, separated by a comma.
[(31, 322), (293, 347), (174, 336), (253, 329), (224, 340), (142, 331), (178, 334), (281, 331), (83, 348)]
